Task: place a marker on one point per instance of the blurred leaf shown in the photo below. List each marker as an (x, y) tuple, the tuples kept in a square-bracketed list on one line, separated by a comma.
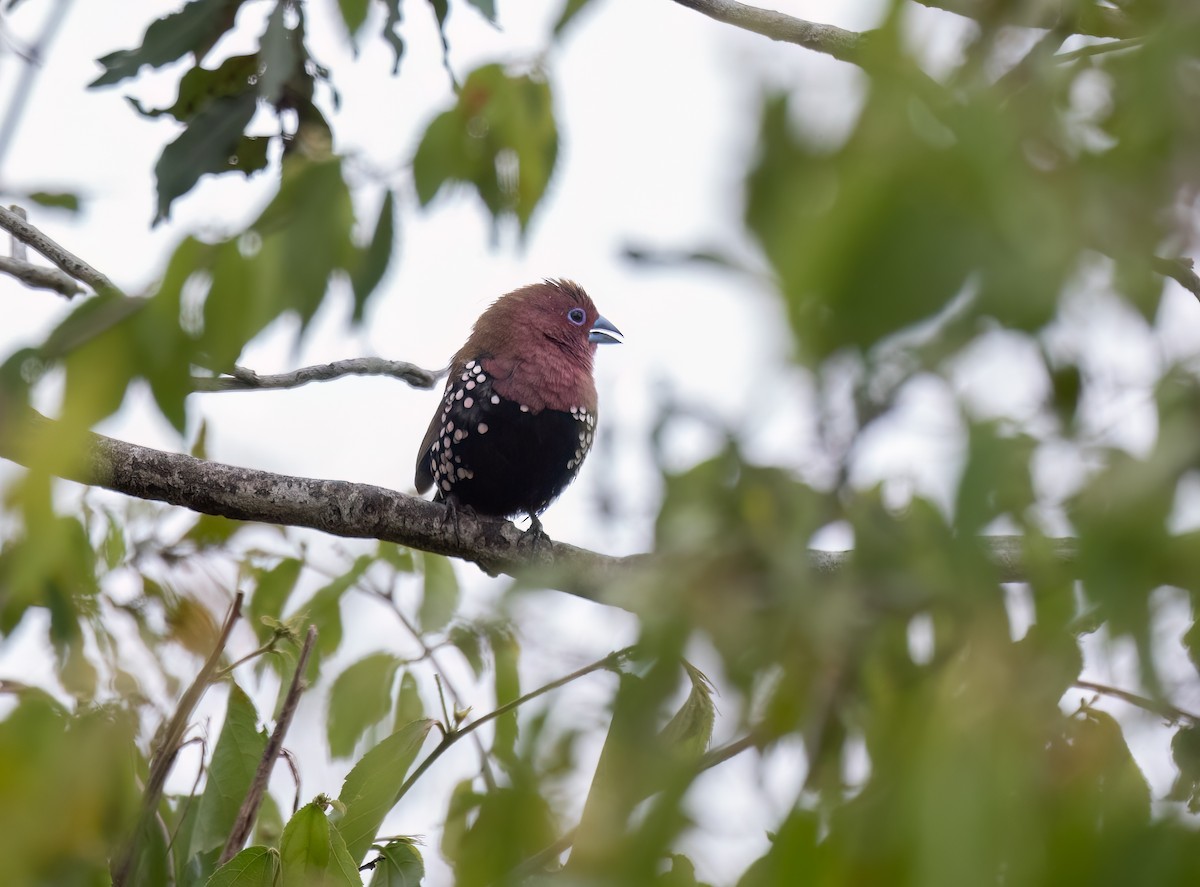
[(354, 14), (571, 8), (681, 874), (314, 854), (391, 32), (487, 7), (234, 762), (400, 865), (252, 867), (500, 137), (56, 200), (505, 653), (268, 825), (323, 609), (372, 787), (200, 86), (409, 706), (373, 261), (441, 593), (281, 54), (1185, 752), (193, 29), (272, 589), (466, 638), (513, 823), (212, 531), (359, 699)]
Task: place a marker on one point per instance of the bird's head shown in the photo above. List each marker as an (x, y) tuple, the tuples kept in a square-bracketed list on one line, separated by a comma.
[(554, 312)]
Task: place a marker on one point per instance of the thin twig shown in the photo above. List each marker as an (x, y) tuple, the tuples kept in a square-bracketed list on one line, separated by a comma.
[(1094, 21), (33, 59), (250, 804), (67, 261), (168, 747), (40, 277), (843, 45), (247, 380), (1172, 713), (611, 661), (1096, 49)]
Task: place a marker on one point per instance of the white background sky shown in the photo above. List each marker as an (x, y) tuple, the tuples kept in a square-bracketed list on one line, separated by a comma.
[(657, 109)]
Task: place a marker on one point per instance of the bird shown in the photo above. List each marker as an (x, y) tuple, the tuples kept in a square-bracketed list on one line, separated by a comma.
[(518, 414)]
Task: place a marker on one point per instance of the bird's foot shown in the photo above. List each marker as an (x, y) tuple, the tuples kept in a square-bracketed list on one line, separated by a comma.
[(535, 535), (454, 511)]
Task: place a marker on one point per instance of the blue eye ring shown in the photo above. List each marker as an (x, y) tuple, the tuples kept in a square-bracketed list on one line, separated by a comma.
[(577, 316)]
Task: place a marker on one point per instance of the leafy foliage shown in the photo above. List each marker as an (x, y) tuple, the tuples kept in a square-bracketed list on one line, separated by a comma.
[(946, 735)]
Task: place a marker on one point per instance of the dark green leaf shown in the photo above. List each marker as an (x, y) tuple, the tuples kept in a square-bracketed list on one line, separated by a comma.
[(391, 32), (373, 786), (359, 699), (211, 138), (280, 54), (487, 7), (354, 14), (571, 8), (193, 29)]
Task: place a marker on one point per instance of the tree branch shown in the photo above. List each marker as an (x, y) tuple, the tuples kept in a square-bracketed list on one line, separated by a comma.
[(169, 744), (39, 277), (828, 39), (1093, 21), (362, 511), (242, 379), (250, 804), (68, 262)]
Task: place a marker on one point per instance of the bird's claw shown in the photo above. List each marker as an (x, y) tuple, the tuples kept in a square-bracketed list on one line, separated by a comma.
[(535, 535), (455, 511)]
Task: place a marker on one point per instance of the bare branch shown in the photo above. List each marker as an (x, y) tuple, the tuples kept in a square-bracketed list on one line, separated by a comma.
[(68, 262), (828, 39), (1161, 707), (1093, 20), (39, 277), (250, 804), (362, 511), (169, 743), (242, 379)]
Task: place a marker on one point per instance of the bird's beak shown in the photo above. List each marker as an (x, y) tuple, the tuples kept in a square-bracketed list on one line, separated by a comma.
[(604, 333)]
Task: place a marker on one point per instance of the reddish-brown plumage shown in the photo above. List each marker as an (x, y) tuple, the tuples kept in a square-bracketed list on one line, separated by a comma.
[(519, 410)]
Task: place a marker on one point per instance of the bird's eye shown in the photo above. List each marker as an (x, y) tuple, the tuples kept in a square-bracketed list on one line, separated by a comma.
[(577, 316)]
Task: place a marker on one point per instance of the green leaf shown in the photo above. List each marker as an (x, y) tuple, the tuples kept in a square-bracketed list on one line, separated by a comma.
[(399, 865), (505, 653), (323, 609), (235, 760), (373, 261), (409, 706), (252, 867), (56, 200), (501, 138), (441, 593), (372, 787), (271, 591), (211, 138), (358, 700), (193, 29), (200, 86), (467, 639), (314, 854)]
